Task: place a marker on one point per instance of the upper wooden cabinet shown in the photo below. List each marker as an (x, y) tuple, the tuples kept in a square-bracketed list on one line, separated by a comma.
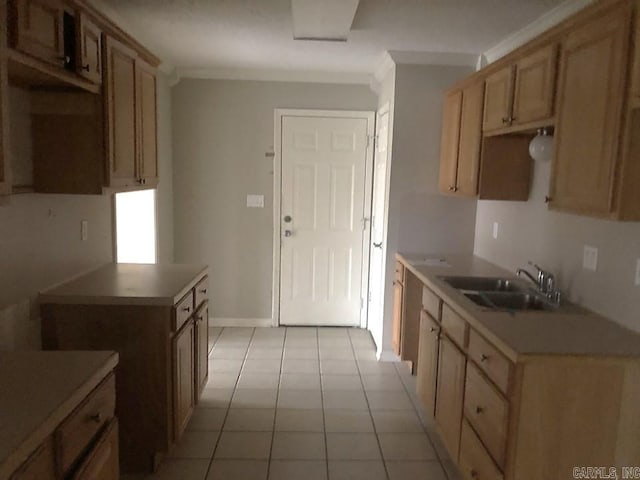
[(498, 99), (635, 86), (593, 73), (450, 141), (535, 86), (89, 45), (5, 180), (147, 123), (37, 29)]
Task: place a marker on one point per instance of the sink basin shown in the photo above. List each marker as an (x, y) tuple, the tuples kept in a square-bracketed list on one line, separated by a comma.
[(514, 301), (482, 284)]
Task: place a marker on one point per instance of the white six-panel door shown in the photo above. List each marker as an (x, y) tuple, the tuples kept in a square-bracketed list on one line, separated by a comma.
[(322, 212)]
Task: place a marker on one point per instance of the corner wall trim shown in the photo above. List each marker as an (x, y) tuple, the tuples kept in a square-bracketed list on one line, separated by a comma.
[(387, 356), (239, 322)]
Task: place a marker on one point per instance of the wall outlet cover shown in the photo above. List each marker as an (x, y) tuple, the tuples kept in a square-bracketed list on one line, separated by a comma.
[(496, 228), (590, 258), (638, 273), (255, 201), (84, 230)]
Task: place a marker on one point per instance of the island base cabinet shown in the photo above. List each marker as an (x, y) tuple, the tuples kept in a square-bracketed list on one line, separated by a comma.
[(475, 463), (40, 466), (428, 362), (201, 319), (103, 461), (183, 378)]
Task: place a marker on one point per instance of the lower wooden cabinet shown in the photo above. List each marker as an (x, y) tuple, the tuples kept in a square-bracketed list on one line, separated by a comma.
[(475, 463), (183, 378), (5, 181), (40, 466), (201, 319), (102, 463), (398, 295), (427, 375)]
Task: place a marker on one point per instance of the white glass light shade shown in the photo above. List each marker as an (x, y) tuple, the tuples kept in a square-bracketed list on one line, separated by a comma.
[(541, 147)]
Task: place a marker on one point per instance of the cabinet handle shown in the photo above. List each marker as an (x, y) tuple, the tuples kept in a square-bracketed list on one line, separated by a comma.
[(187, 309), (86, 67), (512, 119), (547, 199), (432, 329), (204, 290), (65, 59), (96, 418), (474, 473), (451, 188), (505, 120), (479, 410), (484, 358)]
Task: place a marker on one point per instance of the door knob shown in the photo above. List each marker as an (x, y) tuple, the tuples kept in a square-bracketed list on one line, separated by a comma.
[(288, 233), (287, 218)]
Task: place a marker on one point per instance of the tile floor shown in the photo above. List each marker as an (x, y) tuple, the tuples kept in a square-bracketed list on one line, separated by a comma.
[(305, 403)]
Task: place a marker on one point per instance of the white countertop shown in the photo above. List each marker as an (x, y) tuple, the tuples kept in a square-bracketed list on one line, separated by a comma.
[(37, 391), (127, 284)]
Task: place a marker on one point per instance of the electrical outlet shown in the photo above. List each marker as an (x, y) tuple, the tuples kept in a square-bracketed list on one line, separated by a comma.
[(84, 230), (590, 258), (496, 228), (638, 273)]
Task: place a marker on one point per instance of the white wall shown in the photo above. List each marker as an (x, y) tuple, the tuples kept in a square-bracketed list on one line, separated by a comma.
[(164, 194), (529, 231), (420, 219), (221, 131)]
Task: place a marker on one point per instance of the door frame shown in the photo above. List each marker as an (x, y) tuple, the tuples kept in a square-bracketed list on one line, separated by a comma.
[(279, 113)]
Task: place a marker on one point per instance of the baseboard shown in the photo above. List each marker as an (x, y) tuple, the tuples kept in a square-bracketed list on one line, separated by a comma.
[(387, 356), (239, 322)]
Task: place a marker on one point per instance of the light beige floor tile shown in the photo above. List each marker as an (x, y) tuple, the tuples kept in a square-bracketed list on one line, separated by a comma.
[(389, 401), (224, 365), (299, 420), (228, 353), (207, 419), (262, 365), (380, 383), (300, 381), (344, 400), (338, 367), (406, 446), (336, 354), (352, 446), (298, 470), (215, 397), (300, 353), (264, 353), (306, 399), (222, 380), (365, 355), (269, 332), (348, 421), (254, 398), (250, 420), (195, 445), (184, 469), (237, 470), (359, 470), (301, 332), (300, 365), (379, 368), (250, 379), (241, 445), (396, 421), (415, 469), (341, 382), (298, 446)]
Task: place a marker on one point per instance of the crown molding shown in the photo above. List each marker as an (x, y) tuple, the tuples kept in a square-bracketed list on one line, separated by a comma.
[(268, 75), (542, 24), (449, 59)]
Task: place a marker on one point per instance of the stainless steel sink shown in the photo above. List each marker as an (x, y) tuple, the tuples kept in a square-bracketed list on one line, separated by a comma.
[(513, 301), (483, 284)]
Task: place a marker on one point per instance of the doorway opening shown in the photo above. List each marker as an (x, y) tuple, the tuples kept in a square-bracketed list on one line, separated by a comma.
[(135, 219)]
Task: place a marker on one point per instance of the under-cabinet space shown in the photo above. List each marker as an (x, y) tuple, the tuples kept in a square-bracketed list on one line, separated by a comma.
[(506, 168)]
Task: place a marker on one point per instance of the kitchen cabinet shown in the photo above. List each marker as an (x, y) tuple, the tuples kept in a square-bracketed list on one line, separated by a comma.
[(498, 99), (398, 296), (635, 84), (5, 179), (201, 324), (147, 124), (449, 396), (534, 88), (40, 466), (428, 348), (450, 141), (103, 461), (89, 45), (406, 316), (475, 463), (113, 307), (593, 72)]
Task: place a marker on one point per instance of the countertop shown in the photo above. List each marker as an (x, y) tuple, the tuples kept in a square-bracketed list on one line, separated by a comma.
[(572, 330), (37, 391), (127, 284)]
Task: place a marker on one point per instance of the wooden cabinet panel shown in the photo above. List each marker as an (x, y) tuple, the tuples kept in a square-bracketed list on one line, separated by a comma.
[(451, 372), (498, 99), (397, 317), (120, 111), (147, 126), (490, 360), (535, 86), (201, 319), (450, 141), (431, 303), (201, 291), (426, 380), (487, 411), (102, 462), (635, 86), (593, 66), (183, 310), (183, 378), (89, 44), (470, 140), (454, 325), (5, 182), (40, 466), (475, 463), (38, 29)]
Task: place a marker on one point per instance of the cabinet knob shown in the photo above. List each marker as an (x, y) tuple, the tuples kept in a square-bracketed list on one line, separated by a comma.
[(484, 358), (203, 290), (473, 473), (432, 329), (65, 59), (86, 67), (187, 309), (96, 418), (547, 199), (451, 188), (505, 120), (479, 410)]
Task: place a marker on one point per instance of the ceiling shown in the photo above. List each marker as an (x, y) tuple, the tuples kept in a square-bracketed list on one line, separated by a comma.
[(257, 34)]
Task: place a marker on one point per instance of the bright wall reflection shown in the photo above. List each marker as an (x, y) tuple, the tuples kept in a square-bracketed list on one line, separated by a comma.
[(136, 227)]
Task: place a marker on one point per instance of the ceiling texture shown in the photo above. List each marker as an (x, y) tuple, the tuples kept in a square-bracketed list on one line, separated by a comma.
[(258, 34)]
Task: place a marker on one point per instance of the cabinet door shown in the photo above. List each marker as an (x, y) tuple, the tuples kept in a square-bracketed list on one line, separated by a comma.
[(38, 29), (593, 67), (147, 123), (5, 182), (428, 362), (120, 111), (398, 294), (535, 86), (102, 462), (450, 394), (450, 141), (498, 96), (470, 140), (635, 86), (40, 465), (89, 44), (183, 378), (201, 319)]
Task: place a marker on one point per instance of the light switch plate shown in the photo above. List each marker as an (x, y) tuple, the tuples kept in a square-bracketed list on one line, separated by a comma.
[(84, 230), (255, 201), (590, 258), (638, 273), (496, 228)]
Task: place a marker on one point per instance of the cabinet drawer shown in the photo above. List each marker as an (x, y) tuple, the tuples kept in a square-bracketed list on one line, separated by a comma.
[(475, 463), (490, 360), (183, 310), (40, 466), (77, 431), (487, 411), (431, 303), (399, 277), (455, 326), (102, 461), (202, 291)]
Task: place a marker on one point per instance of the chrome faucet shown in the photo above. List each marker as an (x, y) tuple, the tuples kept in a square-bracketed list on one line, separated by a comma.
[(545, 282)]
